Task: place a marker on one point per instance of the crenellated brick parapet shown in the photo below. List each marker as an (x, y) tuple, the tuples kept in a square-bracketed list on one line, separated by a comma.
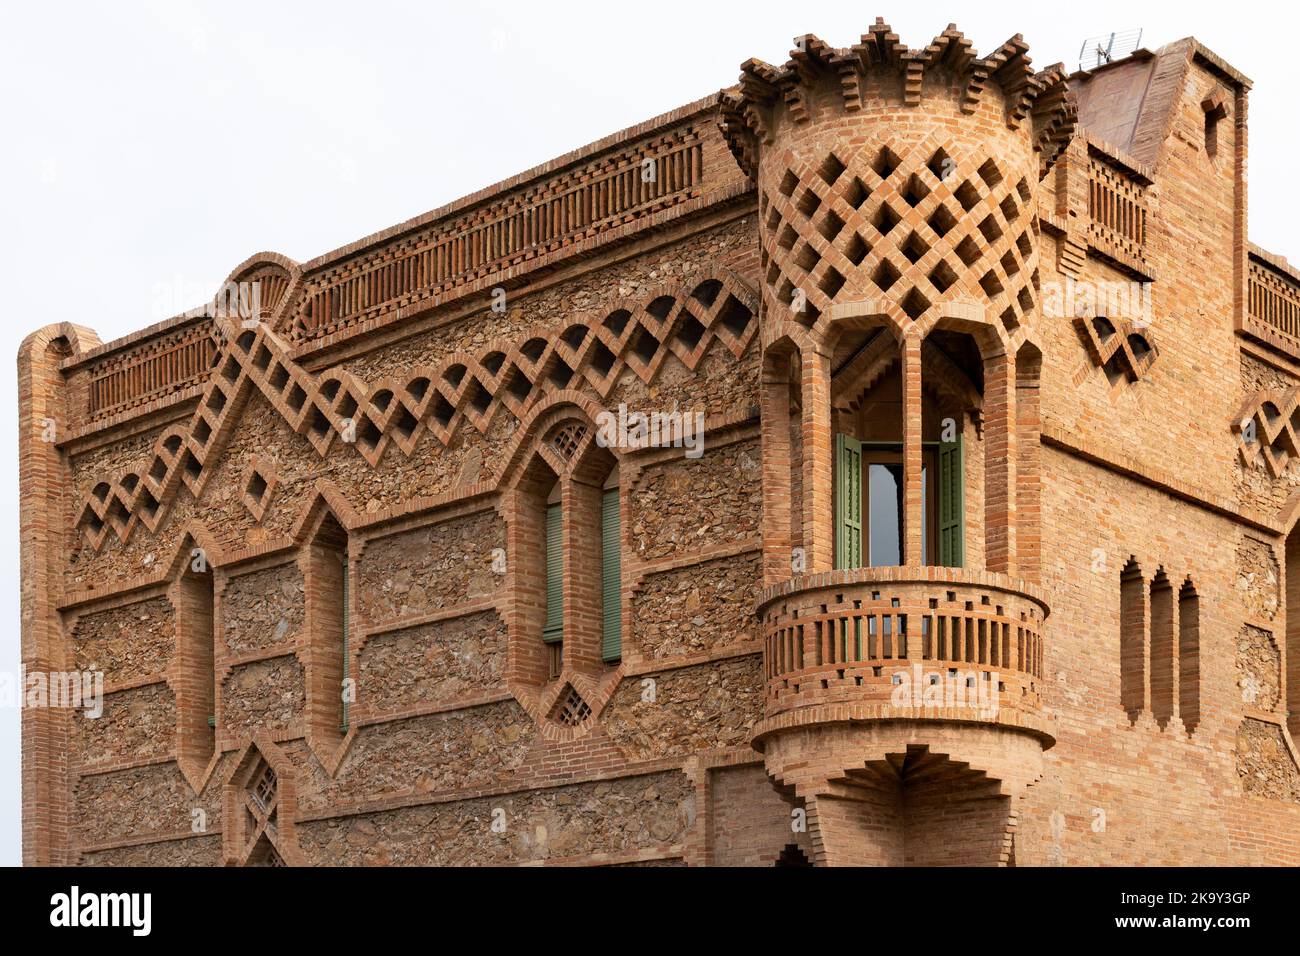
[(904, 176)]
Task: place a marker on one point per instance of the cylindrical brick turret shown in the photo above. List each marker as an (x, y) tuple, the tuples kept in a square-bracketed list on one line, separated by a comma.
[(897, 190), (900, 177)]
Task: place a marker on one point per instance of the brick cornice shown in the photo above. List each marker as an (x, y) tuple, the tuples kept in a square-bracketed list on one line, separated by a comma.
[(1056, 436)]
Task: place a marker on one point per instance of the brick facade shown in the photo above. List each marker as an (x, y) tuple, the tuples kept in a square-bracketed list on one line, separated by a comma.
[(313, 536)]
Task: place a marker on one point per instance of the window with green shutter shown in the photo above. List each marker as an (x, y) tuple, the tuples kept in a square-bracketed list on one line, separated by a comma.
[(611, 578), (952, 491), (848, 502), (554, 630)]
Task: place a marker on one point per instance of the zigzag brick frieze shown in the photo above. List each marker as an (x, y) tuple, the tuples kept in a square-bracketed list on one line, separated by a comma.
[(1267, 427), (930, 223), (334, 405)]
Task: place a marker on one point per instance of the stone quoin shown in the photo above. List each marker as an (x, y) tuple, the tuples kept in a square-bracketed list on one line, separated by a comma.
[(985, 552)]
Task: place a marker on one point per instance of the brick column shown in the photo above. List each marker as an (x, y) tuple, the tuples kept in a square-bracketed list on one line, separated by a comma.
[(524, 610), (1291, 650), (913, 460), (774, 399), (1240, 234), (193, 676), (44, 527), (818, 464), (1000, 464)]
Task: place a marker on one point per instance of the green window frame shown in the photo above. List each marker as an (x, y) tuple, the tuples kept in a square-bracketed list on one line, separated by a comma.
[(952, 503), (553, 631), (951, 492), (611, 646), (848, 502)]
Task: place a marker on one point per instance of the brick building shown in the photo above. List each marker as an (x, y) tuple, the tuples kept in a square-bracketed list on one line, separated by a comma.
[(984, 552)]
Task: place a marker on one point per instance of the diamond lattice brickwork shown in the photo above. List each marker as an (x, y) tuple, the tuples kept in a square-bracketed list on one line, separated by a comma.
[(1267, 427), (915, 226), (593, 353)]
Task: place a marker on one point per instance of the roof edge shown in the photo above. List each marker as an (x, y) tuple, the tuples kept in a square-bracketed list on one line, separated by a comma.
[(672, 117)]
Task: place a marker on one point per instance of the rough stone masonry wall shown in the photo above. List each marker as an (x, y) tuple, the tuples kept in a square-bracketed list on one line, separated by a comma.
[(436, 729)]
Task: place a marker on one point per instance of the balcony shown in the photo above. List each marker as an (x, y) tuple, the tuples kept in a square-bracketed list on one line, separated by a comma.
[(903, 644)]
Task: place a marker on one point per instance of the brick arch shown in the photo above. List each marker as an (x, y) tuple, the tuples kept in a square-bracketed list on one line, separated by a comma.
[(557, 442), (279, 279)]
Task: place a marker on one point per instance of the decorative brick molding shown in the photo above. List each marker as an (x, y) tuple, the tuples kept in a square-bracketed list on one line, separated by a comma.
[(1117, 210), (635, 335), (843, 639), (259, 798), (629, 184), (1267, 427), (1041, 97), (1273, 315), (889, 212), (1118, 347), (153, 370)]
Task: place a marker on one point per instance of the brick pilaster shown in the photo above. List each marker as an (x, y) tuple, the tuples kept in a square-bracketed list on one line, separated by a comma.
[(818, 464), (1000, 464), (913, 461), (774, 398), (43, 529)]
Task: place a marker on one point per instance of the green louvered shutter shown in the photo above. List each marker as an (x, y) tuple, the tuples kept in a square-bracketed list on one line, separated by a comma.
[(611, 578), (848, 502), (554, 630), (952, 492)]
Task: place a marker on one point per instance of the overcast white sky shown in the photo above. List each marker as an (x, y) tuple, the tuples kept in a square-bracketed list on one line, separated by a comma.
[(153, 146)]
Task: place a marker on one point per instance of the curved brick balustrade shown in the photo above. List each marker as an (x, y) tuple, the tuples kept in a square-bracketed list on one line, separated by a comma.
[(903, 644)]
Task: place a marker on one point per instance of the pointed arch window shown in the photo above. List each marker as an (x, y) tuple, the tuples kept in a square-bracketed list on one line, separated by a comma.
[(327, 578), (194, 595), (565, 524)]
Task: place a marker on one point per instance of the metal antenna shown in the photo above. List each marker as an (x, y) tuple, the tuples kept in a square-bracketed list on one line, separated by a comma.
[(1100, 50)]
